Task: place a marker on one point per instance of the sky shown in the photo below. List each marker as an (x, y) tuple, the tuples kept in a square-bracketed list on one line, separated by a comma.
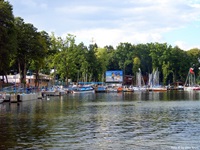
[(110, 22)]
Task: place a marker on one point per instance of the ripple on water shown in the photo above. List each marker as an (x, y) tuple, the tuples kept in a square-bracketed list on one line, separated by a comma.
[(113, 122)]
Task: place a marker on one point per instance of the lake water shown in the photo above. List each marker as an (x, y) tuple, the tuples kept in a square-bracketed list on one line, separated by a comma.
[(104, 121)]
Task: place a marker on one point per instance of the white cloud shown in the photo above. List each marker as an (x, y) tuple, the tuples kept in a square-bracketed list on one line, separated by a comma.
[(30, 4), (77, 9), (110, 22), (185, 46), (113, 37), (182, 45), (137, 22)]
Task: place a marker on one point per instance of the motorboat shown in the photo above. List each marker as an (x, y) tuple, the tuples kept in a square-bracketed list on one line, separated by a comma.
[(83, 89)]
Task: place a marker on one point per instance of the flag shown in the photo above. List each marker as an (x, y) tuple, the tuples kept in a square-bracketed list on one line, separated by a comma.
[(192, 70)]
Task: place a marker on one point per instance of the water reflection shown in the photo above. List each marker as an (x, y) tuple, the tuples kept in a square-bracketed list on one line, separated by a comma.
[(153, 120)]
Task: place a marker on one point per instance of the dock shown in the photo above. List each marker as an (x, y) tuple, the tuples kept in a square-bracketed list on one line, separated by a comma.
[(14, 98)]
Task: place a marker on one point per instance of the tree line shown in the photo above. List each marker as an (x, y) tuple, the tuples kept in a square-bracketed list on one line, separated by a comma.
[(24, 49)]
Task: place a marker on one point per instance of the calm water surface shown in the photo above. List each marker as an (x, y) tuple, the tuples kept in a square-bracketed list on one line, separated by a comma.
[(166, 120)]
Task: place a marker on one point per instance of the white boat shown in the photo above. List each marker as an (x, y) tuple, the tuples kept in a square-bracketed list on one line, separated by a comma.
[(154, 84), (54, 91), (51, 93), (83, 89), (136, 88), (114, 89), (192, 88), (190, 83), (158, 89), (1, 100), (140, 84), (2, 97), (128, 89)]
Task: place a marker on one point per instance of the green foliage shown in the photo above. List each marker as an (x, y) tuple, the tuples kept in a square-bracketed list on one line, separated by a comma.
[(66, 60), (142, 51), (93, 64), (136, 64), (32, 48), (102, 59), (123, 55), (7, 36)]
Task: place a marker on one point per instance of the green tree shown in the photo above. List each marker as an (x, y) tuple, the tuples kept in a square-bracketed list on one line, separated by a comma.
[(178, 64), (7, 37), (27, 46), (157, 53), (142, 51), (64, 59), (112, 60), (124, 56), (92, 73), (194, 57), (55, 48), (40, 54), (81, 63), (102, 58), (46, 65), (136, 64)]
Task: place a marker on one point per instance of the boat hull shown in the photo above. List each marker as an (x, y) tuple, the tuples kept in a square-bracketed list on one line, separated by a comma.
[(84, 90), (101, 89), (191, 88), (157, 89)]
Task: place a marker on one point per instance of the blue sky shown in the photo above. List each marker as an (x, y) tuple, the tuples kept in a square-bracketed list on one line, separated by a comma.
[(109, 22)]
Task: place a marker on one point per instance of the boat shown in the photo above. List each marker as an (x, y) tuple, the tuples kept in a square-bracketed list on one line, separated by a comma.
[(2, 97), (139, 89), (50, 92), (190, 83), (176, 86), (154, 82), (140, 84), (158, 89), (128, 89), (54, 91), (114, 89), (191, 88), (83, 89), (101, 89), (119, 89)]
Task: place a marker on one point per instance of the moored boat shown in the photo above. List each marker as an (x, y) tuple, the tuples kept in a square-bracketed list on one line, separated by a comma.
[(197, 88), (158, 89), (112, 89), (154, 82), (83, 89), (192, 88), (2, 98), (119, 89), (128, 89), (190, 83), (101, 89), (141, 89)]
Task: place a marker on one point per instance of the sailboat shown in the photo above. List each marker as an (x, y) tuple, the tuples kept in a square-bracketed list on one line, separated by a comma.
[(154, 82), (140, 85), (190, 83)]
